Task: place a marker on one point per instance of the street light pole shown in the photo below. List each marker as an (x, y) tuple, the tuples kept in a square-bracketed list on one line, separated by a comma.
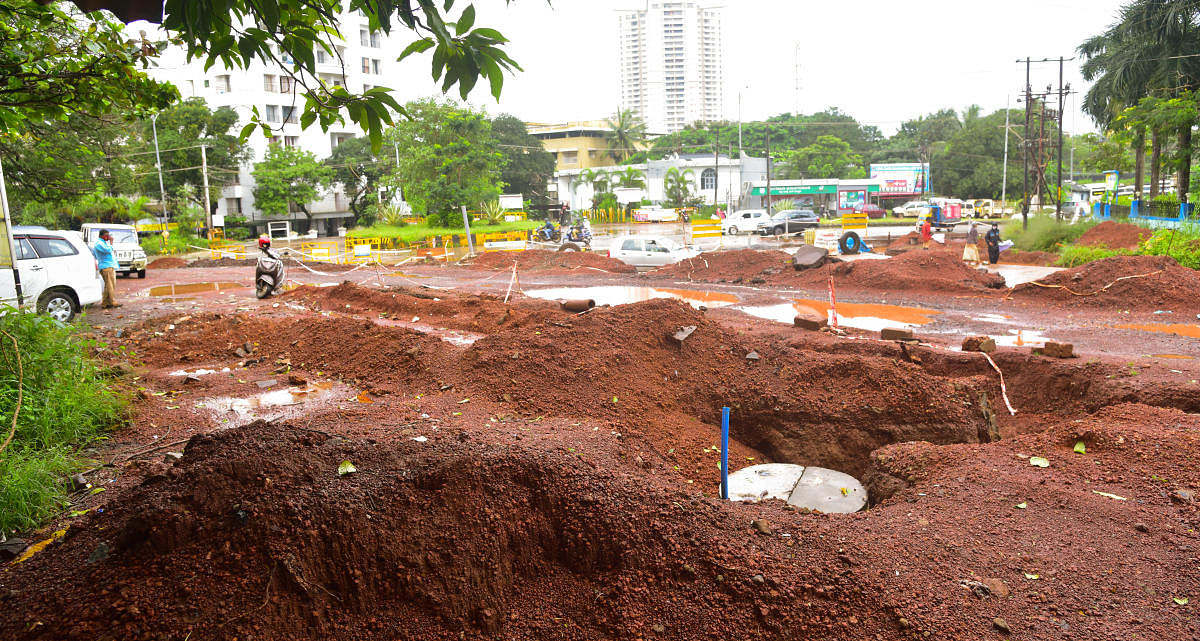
[(162, 192)]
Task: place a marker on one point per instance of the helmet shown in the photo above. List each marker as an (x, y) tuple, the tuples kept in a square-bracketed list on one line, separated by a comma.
[(264, 241)]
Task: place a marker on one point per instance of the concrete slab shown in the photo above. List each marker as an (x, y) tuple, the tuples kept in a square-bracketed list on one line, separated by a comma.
[(828, 490), (766, 481)]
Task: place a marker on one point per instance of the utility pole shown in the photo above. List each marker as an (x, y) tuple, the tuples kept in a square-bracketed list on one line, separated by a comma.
[(1025, 155), (716, 169), (1058, 178), (1004, 168), (11, 248), (768, 129), (207, 205), (162, 192)]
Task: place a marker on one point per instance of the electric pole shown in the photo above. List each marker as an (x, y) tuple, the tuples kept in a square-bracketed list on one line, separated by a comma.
[(1058, 177), (1025, 155), (716, 168), (768, 129)]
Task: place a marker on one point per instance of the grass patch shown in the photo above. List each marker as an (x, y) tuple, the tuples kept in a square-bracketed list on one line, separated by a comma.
[(1076, 255), (421, 231), (176, 244), (1182, 244), (65, 405), (1045, 233), (887, 220)]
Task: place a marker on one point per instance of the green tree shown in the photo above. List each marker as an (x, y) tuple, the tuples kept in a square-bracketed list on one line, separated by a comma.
[(627, 132), (598, 179), (827, 157), (630, 178), (182, 128), (1096, 154), (58, 62), (970, 164), (288, 176), (677, 187), (448, 158), (528, 167), (363, 175)]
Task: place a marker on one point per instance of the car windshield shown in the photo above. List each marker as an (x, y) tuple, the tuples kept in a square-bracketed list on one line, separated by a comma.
[(666, 243), (118, 235)]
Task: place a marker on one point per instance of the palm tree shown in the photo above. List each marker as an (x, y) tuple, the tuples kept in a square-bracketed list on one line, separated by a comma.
[(677, 186), (631, 177), (627, 131)]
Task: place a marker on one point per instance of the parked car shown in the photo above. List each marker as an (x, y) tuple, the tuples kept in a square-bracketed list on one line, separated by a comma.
[(789, 221), (743, 220), (58, 273), (871, 210), (903, 210), (648, 251), (131, 258)]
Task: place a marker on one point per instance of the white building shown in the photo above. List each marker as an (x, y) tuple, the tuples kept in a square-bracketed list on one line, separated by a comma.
[(728, 179), (359, 63), (670, 57)]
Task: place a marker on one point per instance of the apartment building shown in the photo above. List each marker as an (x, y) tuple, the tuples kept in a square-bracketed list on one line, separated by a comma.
[(359, 62), (671, 63)]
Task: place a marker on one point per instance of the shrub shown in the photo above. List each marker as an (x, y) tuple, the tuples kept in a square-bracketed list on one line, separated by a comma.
[(1182, 244), (1045, 233), (1076, 255), (65, 405)]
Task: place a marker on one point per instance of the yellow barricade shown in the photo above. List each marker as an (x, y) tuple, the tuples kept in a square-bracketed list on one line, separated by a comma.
[(706, 229), (325, 251), (226, 251), (375, 243), (854, 221), (502, 241)]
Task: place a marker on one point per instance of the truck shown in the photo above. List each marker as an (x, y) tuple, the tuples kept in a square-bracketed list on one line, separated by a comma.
[(131, 258)]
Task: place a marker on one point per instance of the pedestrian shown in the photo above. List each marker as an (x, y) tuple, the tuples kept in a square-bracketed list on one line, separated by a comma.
[(106, 260), (971, 251), (992, 238), (926, 233)]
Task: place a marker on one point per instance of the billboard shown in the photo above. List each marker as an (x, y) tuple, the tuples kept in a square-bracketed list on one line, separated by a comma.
[(901, 179)]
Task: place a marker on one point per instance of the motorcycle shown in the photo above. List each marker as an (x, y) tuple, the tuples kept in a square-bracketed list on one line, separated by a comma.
[(549, 234), (269, 274), (580, 235)]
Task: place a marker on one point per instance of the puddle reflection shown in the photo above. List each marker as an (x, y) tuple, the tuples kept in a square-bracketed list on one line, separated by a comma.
[(865, 316), (193, 288), (620, 295)]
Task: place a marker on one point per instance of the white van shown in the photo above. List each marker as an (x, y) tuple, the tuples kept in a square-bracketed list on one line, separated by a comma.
[(58, 273), (129, 253), (743, 220)]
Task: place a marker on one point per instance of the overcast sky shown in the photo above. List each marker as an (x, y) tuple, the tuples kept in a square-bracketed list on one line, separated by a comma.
[(882, 62)]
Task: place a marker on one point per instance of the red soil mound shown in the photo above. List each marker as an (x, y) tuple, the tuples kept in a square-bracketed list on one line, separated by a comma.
[(480, 313), (728, 265), (168, 262), (1114, 235), (908, 242), (1121, 282), (911, 272), (541, 260), (1014, 257)]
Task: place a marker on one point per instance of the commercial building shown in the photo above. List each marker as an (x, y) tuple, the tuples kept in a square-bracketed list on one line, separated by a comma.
[(671, 63), (575, 145), (727, 180), (358, 63), (826, 196)]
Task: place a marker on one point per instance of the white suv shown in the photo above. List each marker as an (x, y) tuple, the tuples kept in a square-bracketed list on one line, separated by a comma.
[(743, 220), (131, 258), (58, 273)]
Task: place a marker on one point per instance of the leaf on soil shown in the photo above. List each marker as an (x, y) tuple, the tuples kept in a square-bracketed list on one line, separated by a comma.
[(346, 467), (465, 400), (75, 513), (363, 397), (1039, 461), (95, 490), (39, 546), (1032, 577), (1080, 448), (1021, 506), (1111, 496), (1181, 600), (614, 400)]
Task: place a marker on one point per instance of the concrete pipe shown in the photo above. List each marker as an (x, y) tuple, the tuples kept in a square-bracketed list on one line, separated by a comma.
[(578, 305)]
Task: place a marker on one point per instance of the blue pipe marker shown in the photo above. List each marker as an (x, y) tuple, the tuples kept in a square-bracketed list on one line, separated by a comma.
[(725, 452)]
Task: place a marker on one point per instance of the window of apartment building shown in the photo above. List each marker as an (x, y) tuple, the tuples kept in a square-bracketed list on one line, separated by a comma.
[(337, 138), (221, 84), (375, 39), (233, 205), (375, 67), (272, 113), (269, 83), (364, 37), (366, 65), (286, 84), (569, 157), (273, 140), (708, 179), (291, 141), (322, 57), (289, 114)]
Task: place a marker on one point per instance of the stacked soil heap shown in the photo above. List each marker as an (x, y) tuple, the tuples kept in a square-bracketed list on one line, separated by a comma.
[(1114, 235), (913, 272), (541, 260), (1121, 282), (735, 265)]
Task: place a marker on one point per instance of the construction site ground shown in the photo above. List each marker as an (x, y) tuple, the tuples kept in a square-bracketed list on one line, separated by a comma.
[(525, 472)]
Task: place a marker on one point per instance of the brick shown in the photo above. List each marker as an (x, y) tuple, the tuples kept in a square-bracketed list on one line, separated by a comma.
[(895, 334), (985, 344), (810, 322)]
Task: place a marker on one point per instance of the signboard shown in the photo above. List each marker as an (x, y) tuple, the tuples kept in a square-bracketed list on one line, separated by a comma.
[(851, 198), (1112, 183), (797, 190), (902, 179), (511, 201)]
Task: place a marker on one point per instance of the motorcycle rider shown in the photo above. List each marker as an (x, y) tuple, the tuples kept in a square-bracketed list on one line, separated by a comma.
[(546, 232)]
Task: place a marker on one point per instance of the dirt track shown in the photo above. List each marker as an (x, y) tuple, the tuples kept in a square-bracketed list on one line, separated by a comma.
[(528, 473)]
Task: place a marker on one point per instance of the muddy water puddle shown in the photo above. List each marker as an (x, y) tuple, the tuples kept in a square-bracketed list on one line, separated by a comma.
[(202, 371), (620, 295), (1179, 329), (177, 289), (865, 316), (276, 404), (454, 337), (1020, 338), (1174, 356)]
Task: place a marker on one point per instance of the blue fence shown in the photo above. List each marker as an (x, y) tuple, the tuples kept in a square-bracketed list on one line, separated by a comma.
[(1155, 213)]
